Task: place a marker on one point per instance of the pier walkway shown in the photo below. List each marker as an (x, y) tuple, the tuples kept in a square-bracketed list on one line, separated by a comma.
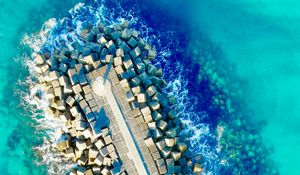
[(133, 151)]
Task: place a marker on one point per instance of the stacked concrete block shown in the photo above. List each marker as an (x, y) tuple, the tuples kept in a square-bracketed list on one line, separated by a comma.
[(66, 79)]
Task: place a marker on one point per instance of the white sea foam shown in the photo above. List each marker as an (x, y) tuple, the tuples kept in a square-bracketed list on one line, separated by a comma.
[(199, 133)]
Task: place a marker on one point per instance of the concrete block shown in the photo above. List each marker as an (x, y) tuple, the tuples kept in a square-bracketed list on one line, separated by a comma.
[(100, 144), (120, 52), (119, 69), (136, 90), (111, 47), (126, 34), (99, 160), (154, 105), (77, 89), (39, 59), (128, 64), (135, 52), (117, 61), (80, 145), (151, 91), (132, 42)]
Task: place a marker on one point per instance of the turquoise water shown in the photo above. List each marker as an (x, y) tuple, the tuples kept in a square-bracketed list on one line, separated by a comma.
[(261, 39), (17, 134)]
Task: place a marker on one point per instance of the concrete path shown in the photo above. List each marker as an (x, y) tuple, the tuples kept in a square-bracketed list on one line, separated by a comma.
[(133, 149)]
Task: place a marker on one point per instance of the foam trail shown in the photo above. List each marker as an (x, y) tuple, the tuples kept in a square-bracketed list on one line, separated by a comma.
[(198, 133)]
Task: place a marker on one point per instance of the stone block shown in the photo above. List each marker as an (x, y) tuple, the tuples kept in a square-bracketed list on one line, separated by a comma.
[(146, 111), (170, 142), (151, 69), (39, 59), (107, 139), (87, 133), (111, 47), (135, 52), (86, 89), (105, 171), (176, 155), (44, 67), (88, 172), (148, 118), (80, 145), (117, 61), (101, 40), (151, 91), (154, 105), (63, 80), (197, 168), (70, 154), (104, 152), (61, 105), (100, 144), (77, 89), (157, 133), (132, 42), (152, 125), (161, 144), (126, 34), (80, 125), (151, 54), (80, 170), (96, 64), (128, 64), (172, 114), (58, 92), (110, 148), (109, 58), (99, 160), (78, 97), (149, 141), (136, 81), (161, 124), (181, 146), (119, 69), (83, 104), (136, 90), (166, 152), (55, 83), (129, 96), (82, 160), (93, 153), (124, 84), (62, 145), (134, 33), (120, 52), (113, 155)]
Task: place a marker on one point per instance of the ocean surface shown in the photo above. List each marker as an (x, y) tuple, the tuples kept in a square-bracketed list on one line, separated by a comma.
[(234, 67)]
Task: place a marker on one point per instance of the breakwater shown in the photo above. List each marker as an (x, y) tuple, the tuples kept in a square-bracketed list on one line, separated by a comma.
[(74, 81)]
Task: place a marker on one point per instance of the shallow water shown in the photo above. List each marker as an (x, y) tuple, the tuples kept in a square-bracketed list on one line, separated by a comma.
[(260, 39), (17, 134)]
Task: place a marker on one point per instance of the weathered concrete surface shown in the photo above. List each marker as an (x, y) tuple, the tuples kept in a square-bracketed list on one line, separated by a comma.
[(129, 140)]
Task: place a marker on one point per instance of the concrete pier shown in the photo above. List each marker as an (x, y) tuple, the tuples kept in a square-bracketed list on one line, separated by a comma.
[(111, 99)]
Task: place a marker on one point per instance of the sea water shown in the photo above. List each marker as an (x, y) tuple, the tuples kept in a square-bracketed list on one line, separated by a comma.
[(18, 133), (251, 46)]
